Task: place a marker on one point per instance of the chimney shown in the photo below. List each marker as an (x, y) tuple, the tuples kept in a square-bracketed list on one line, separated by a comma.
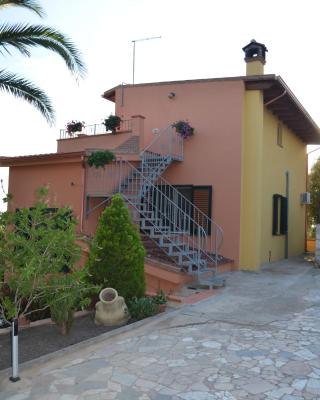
[(255, 57)]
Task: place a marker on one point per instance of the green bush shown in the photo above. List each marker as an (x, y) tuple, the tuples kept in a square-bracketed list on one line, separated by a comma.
[(160, 298), (314, 208), (116, 257), (112, 123), (142, 308), (38, 256), (99, 159), (73, 293)]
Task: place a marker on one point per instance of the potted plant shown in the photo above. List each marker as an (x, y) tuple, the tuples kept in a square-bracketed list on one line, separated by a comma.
[(100, 158), (142, 307), (161, 300), (184, 129), (74, 126), (112, 123)]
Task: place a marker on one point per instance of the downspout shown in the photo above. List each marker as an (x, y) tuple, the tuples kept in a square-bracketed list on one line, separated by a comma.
[(286, 239), (83, 193), (275, 99)]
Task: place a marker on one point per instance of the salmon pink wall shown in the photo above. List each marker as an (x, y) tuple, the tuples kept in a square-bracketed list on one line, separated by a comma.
[(103, 141), (64, 180), (213, 155)]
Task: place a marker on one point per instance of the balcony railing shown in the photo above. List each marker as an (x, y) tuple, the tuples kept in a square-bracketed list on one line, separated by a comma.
[(96, 129)]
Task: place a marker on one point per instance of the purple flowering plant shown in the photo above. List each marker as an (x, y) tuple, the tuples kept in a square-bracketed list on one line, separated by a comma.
[(74, 126), (184, 129)]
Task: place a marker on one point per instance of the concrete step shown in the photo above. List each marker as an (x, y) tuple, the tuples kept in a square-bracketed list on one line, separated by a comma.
[(215, 281)]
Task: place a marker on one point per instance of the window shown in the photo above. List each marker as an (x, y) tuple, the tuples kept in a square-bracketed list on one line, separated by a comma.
[(200, 196), (279, 135), (280, 215)]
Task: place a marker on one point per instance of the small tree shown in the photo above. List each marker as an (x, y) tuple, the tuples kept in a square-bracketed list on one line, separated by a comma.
[(314, 207), (38, 252), (116, 257)]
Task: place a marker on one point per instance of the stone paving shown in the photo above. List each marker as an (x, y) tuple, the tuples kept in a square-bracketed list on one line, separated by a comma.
[(193, 354)]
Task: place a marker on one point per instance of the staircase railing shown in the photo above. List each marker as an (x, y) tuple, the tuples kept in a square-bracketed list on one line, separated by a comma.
[(180, 228), (213, 230), (167, 143), (167, 146), (173, 227)]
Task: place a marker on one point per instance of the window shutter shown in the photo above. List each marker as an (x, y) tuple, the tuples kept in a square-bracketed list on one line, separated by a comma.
[(202, 196), (275, 214)]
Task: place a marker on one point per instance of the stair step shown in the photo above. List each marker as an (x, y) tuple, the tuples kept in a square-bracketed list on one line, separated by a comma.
[(183, 253), (188, 263), (174, 245), (167, 232), (205, 270), (163, 235), (158, 228), (215, 281)]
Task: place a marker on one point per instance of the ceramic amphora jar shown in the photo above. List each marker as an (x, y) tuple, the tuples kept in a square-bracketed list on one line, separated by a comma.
[(111, 310)]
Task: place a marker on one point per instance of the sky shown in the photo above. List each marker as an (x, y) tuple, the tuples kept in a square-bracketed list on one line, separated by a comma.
[(199, 39)]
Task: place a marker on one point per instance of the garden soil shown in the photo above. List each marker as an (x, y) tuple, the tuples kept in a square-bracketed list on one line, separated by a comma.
[(38, 341)]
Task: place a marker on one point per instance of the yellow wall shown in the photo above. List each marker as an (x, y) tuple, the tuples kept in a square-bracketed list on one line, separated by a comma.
[(264, 166), (251, 188), (276, 161), (255, 67)]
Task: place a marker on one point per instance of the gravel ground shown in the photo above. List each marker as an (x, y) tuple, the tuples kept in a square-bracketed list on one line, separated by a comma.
[(38, 341)]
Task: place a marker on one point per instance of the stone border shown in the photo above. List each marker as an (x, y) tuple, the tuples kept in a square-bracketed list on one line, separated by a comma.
[(104, 336), (41, 322)]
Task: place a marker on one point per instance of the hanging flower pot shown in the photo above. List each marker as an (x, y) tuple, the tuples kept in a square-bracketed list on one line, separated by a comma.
[(184, 129), (74, 126)]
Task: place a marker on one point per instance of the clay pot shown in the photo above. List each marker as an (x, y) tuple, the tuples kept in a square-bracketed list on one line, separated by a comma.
[(111, 310)]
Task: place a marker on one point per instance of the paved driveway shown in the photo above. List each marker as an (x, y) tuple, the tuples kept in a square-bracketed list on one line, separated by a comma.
[(257, 339)]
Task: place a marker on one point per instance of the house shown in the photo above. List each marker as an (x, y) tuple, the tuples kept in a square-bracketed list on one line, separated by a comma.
[(234, 196)]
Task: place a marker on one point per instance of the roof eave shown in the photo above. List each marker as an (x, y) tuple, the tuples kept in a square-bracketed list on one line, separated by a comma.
[(41, 159), (110, 94), (281, 101)]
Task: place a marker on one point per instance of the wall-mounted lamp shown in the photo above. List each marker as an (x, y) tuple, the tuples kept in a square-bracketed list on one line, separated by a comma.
[(171, 95)]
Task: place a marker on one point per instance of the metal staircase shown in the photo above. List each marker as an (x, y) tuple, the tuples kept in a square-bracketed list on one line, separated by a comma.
[(188, 236)]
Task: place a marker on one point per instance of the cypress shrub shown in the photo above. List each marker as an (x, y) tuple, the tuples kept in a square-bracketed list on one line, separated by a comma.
[(116, 257)]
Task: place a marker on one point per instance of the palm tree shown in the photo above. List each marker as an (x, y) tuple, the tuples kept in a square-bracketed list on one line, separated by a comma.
[(23, 37)]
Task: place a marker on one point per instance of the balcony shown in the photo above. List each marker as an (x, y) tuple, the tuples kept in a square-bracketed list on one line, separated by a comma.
[(96, 129), (128, 138)]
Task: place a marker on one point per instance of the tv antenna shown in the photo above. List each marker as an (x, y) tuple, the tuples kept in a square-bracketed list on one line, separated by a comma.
[(134, 52)]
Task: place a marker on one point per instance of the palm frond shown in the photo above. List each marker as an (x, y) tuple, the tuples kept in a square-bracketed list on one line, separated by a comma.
[(23, 37), (29, 4), (23, 89)]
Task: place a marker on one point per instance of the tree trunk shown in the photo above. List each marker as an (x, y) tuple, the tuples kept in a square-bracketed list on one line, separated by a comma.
[(63, 329)]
